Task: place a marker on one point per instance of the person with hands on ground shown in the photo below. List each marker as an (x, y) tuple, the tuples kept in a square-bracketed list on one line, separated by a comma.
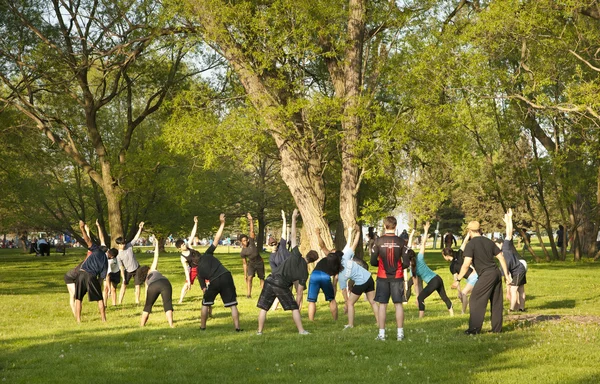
[(434, 282), (363, 281), (156, 284), (481, 251), (287, 267), (251, 259)]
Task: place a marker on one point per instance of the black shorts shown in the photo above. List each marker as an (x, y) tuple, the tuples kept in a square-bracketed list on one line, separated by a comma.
[(114, 278), (224, 286), (519, 279), (163, 288), (270, 292), (71, 276), (137, 279), (387, 288), (256, 269), (87, 283), (368, 286)]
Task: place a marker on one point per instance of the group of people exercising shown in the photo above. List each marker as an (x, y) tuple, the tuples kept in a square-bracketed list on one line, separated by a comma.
[(398, 269)]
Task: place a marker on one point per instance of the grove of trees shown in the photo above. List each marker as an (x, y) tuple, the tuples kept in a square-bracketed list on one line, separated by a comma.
[(159, 111)]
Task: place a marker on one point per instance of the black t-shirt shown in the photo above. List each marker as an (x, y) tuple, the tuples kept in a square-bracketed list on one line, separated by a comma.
[(251, 252), (482, 250), (510, 254), (193, 258), (325, 266), (291, 269), (388, 254), (209, 267), (457, 262)]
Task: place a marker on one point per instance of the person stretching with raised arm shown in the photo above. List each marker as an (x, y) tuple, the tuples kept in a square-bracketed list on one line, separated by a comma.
[(156, 284), (251, 259), (113, 278), (189, 259), (434, 282), (129, 264), (363, 281)]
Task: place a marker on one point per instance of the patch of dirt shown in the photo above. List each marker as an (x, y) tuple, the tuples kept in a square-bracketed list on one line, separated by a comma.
[(534, 319)]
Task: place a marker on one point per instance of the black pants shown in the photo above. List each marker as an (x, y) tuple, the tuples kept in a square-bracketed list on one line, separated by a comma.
[(488, 287), (44, 249), (435, 284)]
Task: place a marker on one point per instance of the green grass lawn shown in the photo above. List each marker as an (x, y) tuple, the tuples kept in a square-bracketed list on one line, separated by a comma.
[(556, 341)]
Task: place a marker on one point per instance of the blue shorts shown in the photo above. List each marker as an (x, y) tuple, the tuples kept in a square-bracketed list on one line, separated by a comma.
[(472, 279), (319, 280)]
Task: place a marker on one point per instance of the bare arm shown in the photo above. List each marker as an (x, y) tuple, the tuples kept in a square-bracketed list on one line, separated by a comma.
[(356, 238), (193, 233), (100, 234), (507, 276), (186, 269), (410, 238), (251, 222), (509, 224), (283, 226), (425, 236), (85, 235), (465, 268), (299, 293), (139, 232), (220, 231), (321, 242), (465, 241), (293, 234), (155, 261)]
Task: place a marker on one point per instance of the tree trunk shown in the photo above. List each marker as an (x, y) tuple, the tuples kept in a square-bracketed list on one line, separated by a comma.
[(161, 242), (340, 235), (539, 236), (260, 234), (113, 199), (528, 245)]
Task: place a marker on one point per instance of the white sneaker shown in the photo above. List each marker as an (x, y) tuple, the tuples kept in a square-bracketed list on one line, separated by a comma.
[(258, 333), (400, 337), (347, 326), (305, 332), (380, 338)]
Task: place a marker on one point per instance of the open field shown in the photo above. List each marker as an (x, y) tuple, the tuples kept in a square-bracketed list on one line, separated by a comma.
[(556, 341)]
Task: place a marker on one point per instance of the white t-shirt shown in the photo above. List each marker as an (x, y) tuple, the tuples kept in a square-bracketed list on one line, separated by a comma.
[(113, 265)]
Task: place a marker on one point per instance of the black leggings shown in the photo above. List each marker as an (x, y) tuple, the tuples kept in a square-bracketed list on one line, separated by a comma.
[(435, 284), (163, 288)]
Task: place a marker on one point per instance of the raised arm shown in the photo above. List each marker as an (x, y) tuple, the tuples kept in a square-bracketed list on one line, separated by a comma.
[(252, 235), (100, 234), (139, 232), (193, 233), (465, 241), (86, 236), (220, 231), (321, 242), (283, 226), (410, 238), (155, 261), (293, 234), (425, 236), (509, 224)]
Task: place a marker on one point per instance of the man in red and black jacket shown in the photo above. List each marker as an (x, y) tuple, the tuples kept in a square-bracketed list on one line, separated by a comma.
[(386, 255)]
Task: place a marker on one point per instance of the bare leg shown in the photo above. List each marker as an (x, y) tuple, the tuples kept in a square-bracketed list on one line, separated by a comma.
[(370, 296), (137, 294), (236, 316), (249, 287), (275, 305), (169, 315), (465, 297), (203, 316), (78, 310), (312, 309), (113, 294), (183, 292), (71, 289), (381, 318), (333, 308), (522, 297), (297, 320), (262, 283), (105, 292), (144, 319), (262, 316), (122, 293), (399, 315), (514, 297), (352, 299), (102, 310)]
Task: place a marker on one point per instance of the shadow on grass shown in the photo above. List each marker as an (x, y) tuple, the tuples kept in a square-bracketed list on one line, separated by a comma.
[(558, 304)]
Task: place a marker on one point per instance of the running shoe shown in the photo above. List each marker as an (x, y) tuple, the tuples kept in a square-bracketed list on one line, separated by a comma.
[(305, 332), (380, 338)]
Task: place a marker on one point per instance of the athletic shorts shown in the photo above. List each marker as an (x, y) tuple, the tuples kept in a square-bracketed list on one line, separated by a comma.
[(367, 287), (163, 288), (115, 278), (389, 288), (519, 279), (472, 279), (193, 274), (87, 283), (256, 269), (136, 277), (320, 280), (71, 276), (270, 292), (224, 286)]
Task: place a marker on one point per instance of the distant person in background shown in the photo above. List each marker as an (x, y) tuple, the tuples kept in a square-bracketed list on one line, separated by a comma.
[(43, 247), (251, 259), (560, 235), (598, 242), (371, 237), (449, 240), (33, 247), (129, 265), (404, 235), (156, 285)]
